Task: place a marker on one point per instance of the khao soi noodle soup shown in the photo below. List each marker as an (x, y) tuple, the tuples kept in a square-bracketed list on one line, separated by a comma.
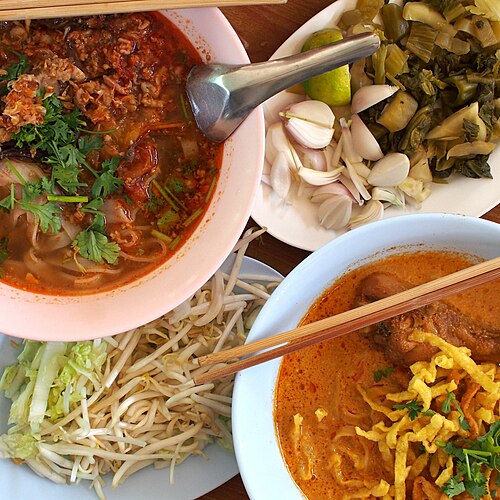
[(408, 408), (103, 173)]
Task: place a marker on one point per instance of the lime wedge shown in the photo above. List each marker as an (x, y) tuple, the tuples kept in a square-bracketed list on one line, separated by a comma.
[(333, 87)]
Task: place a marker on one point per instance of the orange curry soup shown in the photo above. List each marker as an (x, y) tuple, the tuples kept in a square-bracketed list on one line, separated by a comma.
[(328, 460)]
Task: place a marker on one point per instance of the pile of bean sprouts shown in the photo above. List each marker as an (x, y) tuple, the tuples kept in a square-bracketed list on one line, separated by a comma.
[(146, 409)]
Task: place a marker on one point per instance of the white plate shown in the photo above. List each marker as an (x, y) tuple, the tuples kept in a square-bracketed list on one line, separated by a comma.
[(261, 464), (193, 478), (297, 224)]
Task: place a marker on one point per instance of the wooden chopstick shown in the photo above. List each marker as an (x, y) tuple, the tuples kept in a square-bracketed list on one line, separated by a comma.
[(40, 9), (349, 321)]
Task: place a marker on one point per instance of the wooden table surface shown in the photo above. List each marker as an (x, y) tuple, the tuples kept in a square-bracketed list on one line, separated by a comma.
[(262, 30)]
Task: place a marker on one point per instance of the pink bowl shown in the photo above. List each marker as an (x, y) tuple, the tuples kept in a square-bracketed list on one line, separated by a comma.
[(70, 318)]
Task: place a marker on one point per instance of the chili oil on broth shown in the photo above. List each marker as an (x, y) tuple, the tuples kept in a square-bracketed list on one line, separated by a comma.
[(327, 460), (126, 74)]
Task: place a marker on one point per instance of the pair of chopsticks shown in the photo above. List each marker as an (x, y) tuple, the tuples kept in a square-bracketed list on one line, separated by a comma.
[(335, 326), (38, 9)]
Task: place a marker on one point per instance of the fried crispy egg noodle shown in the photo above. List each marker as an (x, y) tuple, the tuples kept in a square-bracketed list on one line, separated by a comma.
[(144, 408), (410, 445)]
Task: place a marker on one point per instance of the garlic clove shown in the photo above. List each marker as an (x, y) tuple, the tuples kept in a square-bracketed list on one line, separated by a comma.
[(372, 211), (280, 176), (391, 170), (318, 178), (357, 180), (369, 95), (335, 212), (322, 193), (391, 195), (363, 140), (310, 123), (348, 150)]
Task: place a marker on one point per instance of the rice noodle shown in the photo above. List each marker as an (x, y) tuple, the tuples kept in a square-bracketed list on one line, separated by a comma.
[(146, 409), (148, 257)]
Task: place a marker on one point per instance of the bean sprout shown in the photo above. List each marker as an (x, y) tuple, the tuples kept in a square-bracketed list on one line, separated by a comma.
[(142, 407)]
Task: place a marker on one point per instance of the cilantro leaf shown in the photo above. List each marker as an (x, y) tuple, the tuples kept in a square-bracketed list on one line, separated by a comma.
[(14, 71), (92, 207), (176, 185), (477, 489), (453, 487), (413, 406), (155, 203), (168, 217), (58, 139), (446, 408), (34, 189), (8, 202), (65, 162), (472, 462), (446, 405), (95, 246), (46, 215), (378, 375), (107, 183), (89, 143), (428, 413)]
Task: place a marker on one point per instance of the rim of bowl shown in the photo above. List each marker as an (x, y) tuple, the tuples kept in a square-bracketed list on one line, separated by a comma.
[(266, 473), (38, 316)]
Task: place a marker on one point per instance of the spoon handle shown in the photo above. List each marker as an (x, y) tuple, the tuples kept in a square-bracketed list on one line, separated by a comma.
[(268, 78), (221, 96)]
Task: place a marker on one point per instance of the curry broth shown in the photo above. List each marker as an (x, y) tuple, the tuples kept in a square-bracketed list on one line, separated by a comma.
[(323, 378)]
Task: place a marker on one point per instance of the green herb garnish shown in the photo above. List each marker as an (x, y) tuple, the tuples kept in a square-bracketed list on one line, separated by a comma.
[(93, 244), (46, 215), (107, 183), (167, 218), (14, 71), (64, 149), (446, 408), (413, 406), (378, 375), (472, 461)]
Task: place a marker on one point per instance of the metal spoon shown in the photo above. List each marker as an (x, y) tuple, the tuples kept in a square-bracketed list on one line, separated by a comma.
[(222, 96)]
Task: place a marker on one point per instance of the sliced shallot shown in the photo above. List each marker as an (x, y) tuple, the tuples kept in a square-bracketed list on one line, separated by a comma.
[(322, 193), (363, 140), (280, 176), (391, 195), (372, 211), (370, 95), (313, 158), (335, 212), (318, 178), (310, 123), (357, 181), (348, 150)]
